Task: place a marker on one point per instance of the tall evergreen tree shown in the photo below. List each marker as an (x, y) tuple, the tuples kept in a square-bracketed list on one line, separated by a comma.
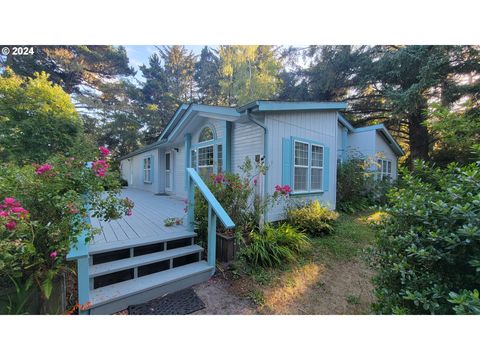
[(207, 78)]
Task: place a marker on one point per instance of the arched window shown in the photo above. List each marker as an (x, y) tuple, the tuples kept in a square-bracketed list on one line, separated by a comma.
[(206, 134)]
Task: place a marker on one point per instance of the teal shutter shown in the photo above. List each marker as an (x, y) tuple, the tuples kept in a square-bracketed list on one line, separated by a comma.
[(287, 162), (326, 168)]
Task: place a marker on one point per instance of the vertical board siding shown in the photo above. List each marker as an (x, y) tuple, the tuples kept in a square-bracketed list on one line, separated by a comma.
[(318, 126), (383, 150), (247, 140), (137, 163)]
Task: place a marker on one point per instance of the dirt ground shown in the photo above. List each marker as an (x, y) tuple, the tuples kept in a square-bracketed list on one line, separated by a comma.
[(339, 288)]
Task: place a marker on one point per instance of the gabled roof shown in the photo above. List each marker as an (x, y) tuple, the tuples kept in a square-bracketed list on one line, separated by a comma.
[(270, 105), (378, 127)]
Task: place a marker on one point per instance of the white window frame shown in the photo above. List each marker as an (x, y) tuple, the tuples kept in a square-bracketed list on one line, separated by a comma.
[(308, 167), (385, 174), (198, 158), (310, 153), (147, 169)]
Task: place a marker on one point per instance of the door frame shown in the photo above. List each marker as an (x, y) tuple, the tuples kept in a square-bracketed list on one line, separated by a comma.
[(170, 171)]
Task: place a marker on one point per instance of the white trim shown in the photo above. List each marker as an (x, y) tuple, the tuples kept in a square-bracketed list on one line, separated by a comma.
[(309, 167), (169, 172)]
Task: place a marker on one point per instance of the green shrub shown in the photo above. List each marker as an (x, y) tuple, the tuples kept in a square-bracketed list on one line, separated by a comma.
[(276, 245), (428, 248), (357, 186), (312, 218), (42, 210)]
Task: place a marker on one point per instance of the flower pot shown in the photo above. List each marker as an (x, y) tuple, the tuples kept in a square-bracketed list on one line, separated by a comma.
[(226, 248)]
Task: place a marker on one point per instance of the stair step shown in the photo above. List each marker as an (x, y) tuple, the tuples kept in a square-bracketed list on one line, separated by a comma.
[(132, 262), (141, 286), (119, 245)]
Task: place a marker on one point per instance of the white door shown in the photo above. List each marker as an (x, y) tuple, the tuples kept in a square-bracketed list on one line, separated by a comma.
[(168, 171), (130, 161)]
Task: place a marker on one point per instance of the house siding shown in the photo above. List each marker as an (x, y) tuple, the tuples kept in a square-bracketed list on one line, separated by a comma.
[(247, 141), (384, 151), (317, 126), (132, 171)]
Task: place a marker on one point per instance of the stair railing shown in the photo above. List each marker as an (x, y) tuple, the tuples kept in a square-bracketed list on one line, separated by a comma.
[(214, 210)]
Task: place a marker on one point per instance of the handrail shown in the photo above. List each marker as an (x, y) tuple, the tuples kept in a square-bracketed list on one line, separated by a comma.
[(214, 210), (211, 199)]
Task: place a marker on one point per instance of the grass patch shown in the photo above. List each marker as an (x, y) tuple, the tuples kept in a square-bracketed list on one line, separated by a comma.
[(353, 299), (256, 296), (351, 235)]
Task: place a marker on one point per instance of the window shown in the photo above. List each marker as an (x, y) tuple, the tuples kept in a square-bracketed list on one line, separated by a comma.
[(384, 169), (205, 161), (147, 169), (316, 176), (300, 176), (308, 167), (206, 134)]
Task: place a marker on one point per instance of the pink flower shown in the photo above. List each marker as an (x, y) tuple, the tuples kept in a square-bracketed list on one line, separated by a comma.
[(100, 167), (11, 225), (10, 201), (129, 212), (104, 151), (284, 190), (3, 214), (255, 180), (218, 179), (53, 254), (43, 168)]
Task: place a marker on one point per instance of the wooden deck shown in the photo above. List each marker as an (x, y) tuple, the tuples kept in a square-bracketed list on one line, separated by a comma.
[(146, 222)]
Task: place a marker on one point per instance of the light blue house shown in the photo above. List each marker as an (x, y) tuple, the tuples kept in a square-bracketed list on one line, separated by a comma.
[(137, 258)]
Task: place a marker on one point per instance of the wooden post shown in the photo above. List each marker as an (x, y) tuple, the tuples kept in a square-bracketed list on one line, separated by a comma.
[(83, 285), (212, 237), (191, 204)]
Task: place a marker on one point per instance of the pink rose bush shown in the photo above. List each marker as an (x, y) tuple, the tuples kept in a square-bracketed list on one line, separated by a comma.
[(283, 190), (43, 210)]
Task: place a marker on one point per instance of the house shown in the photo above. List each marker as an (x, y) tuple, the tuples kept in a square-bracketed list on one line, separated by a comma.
[(301, 143), (138, 258)]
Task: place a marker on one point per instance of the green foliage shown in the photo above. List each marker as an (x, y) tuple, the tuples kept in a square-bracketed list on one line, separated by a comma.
[(357, 186), (428, 245), (275, 246), (248, 73), (312, 217), (457, 133), (466, 303), (37, 119), (42, 211)]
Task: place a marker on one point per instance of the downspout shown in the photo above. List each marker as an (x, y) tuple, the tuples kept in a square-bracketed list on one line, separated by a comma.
[(265, 152)]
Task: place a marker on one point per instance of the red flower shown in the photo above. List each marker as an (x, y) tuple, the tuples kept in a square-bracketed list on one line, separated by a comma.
[(11, 225), (10, 202), (43, 168), (104, 151), (100, 167), (218, 179)]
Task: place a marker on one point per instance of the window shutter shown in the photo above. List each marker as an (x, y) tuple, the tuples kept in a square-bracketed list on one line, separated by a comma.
[(326, 168), (286, 161), (143, 171)]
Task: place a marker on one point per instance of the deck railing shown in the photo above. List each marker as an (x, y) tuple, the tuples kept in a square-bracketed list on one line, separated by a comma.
[(79, 252), (214, 210)]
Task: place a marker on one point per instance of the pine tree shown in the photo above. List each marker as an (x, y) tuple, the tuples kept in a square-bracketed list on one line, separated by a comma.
[(207, 78)]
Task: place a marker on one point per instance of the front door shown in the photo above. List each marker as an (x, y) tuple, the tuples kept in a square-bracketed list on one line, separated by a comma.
[(168, 171)]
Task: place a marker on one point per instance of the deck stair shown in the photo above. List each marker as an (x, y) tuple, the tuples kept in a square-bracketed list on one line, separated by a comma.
[(133, 272)]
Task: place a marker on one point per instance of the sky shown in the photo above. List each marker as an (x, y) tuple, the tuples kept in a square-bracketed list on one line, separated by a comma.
[(139, 54)]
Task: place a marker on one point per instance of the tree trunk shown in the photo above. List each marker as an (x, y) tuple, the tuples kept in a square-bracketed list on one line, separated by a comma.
[(418, 139)]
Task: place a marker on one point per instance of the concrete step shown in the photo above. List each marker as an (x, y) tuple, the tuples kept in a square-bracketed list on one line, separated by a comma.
[(116, 297), (133, 262), (119, 245)]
